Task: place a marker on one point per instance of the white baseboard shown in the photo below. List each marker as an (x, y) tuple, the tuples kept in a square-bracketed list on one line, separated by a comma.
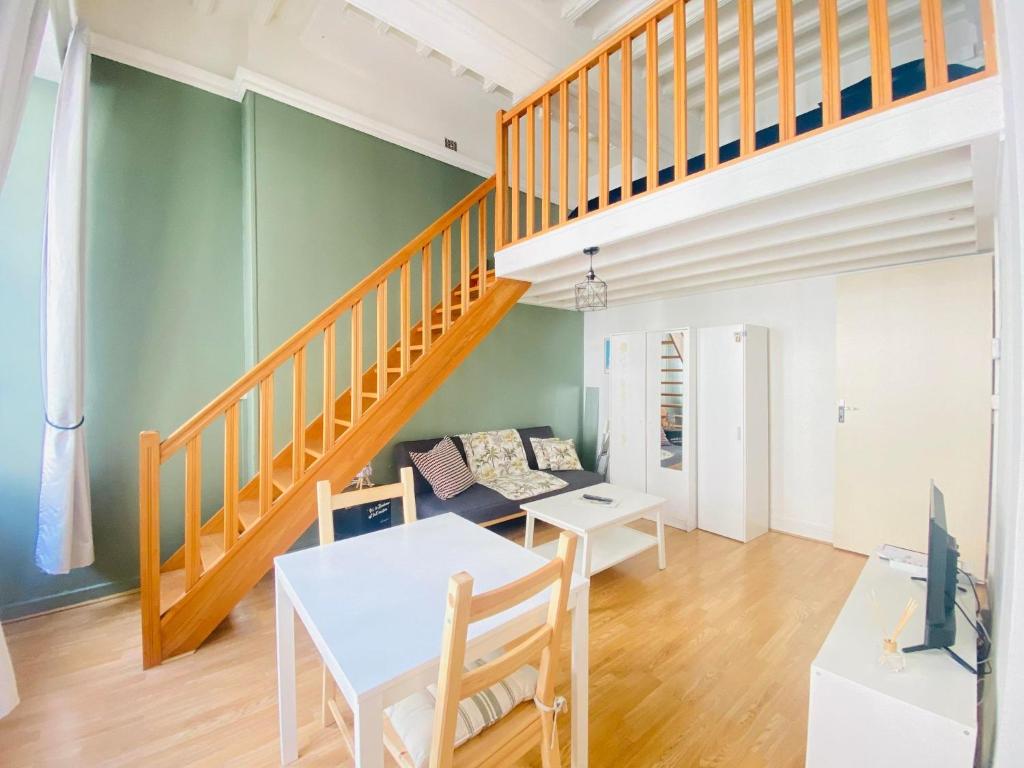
[(803, 528)]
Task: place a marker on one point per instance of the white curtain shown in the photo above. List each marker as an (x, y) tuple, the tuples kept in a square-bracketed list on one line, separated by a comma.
[(21, 33), (64, 539)]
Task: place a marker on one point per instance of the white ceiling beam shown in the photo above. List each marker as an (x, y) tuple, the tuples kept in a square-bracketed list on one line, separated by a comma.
[(458, 70), (381, 27), (266, 10), (891, 186), (924, 212), (490, 86), (206, 7), (423, 50), (572, 10), (457, 34), (622, 12)]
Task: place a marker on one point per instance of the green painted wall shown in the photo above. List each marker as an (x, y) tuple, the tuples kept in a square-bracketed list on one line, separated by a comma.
[(206, 215), (163, 307)]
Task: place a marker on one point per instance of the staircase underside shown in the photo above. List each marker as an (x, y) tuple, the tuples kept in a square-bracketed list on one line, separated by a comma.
[(187, 618), (911, 184)]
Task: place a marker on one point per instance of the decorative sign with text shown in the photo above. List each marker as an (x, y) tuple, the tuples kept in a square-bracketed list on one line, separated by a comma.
[(364, 518)]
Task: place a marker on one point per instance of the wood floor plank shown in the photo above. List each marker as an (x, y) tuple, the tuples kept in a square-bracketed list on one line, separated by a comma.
[(705, 663)]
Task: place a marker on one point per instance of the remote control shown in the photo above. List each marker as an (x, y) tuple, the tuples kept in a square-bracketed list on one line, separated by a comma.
[(599, 499)]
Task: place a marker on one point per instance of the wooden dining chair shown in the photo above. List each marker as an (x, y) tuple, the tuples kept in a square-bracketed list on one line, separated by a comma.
[(529, 725), (326, 503)]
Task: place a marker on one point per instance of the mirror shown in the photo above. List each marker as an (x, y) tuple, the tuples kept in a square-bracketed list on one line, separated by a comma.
[(672, 392)]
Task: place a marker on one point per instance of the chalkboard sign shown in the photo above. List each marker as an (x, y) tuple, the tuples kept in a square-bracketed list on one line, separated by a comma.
[(364, 518)]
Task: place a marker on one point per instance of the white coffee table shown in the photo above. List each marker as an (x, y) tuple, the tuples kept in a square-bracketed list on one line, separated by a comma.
[(607, 540)]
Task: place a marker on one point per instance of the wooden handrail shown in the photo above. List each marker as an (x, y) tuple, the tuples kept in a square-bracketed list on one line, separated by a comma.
[(308, 332), (638, 42), (314, 438)]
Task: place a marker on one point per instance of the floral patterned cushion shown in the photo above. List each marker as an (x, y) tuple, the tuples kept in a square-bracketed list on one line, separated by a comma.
[(529, 483), (494, 454), (538, 450), (561, 455)]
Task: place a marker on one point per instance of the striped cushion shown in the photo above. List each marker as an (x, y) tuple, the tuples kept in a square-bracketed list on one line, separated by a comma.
[(444, 468), (413, 717)]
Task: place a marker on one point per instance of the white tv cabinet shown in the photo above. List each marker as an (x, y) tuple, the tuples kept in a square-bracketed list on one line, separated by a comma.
[(862, 715)]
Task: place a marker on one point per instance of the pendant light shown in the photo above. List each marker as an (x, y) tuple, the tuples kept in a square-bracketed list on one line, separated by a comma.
[(592, 293)]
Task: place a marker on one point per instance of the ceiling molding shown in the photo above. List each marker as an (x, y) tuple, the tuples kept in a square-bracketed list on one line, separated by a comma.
[(573, 10), (248, 80)]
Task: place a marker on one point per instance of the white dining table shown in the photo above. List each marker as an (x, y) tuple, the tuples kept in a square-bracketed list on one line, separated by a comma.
[(374, 607)]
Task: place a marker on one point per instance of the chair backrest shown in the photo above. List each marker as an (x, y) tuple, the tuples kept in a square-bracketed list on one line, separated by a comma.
[(455, 684), (327, 503)]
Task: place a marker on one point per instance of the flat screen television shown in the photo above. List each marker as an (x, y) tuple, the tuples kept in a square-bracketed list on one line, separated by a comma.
[(940, 603)]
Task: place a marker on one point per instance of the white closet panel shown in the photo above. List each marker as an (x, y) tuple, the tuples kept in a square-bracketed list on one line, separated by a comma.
[(732, 437), (627, 447)]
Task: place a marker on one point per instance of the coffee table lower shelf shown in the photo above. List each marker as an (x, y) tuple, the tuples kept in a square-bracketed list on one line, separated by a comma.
[(609, 547)]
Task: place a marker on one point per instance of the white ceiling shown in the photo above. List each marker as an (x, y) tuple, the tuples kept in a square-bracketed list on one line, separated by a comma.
[(411, 71)]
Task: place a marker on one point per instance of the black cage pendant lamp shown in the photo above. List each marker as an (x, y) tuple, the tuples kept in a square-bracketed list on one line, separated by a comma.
[(592, 293)]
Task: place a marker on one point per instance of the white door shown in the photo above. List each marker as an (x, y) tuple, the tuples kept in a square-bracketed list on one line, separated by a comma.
[(914, 355), (719, 434), (668, 430), (626, 446)]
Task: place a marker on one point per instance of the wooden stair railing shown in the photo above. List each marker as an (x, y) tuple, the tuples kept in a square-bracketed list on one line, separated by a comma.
[(226, 553), (543, 120)]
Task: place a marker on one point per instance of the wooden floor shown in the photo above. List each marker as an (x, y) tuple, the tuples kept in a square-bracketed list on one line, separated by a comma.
[(703, 664)]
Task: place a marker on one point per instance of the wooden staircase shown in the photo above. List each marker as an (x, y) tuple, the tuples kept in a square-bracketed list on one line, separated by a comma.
[(225, 553)]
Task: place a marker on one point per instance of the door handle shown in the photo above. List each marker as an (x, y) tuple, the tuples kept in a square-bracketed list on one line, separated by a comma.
[(844, 409)]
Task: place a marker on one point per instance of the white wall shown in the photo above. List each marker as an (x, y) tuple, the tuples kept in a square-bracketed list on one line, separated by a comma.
[(800, 316), (1006, 560)]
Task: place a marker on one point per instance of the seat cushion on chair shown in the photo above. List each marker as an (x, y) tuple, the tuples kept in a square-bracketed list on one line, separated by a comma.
[(413, 717)]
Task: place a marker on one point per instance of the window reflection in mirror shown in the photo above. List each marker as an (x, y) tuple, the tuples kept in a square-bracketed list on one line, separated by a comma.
[(672, 392)]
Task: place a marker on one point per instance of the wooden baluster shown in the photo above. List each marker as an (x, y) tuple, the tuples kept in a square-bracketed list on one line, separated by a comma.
[(787, 70), (464, 264), (382, 339), (531, 167), (149, 546), (679, 84), (627, 118), (426, 299), (481, 244), (584, 138), (515, 202), (405, 319), (711, 84), (652, 105), (500, 221), (266, 444), (563, 152), (748, 86), (830, 93), (230, 476), (545, 164), (356, 374), (603, 139), (934, 32), (328, 394), (881, 57), (988, 35), (446, 278), (193, 511), (298, 414)]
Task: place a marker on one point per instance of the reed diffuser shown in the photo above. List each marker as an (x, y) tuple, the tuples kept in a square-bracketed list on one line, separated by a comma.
[(892, 657)]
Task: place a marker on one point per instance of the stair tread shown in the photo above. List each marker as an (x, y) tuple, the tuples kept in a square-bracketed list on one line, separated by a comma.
[(172, 587), (248, 512), (211, 547)]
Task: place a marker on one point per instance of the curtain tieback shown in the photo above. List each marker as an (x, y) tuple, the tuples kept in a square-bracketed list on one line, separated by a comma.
[(81, 421)]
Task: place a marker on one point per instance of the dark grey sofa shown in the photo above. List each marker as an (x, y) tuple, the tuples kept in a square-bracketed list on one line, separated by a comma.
[(480, 504)]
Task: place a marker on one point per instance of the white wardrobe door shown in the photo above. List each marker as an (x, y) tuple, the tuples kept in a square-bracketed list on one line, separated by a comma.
[(626, 452), (719, 432)]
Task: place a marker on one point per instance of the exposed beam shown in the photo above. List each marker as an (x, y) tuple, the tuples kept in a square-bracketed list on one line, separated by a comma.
[(620, 14), (423, 50), (381, 27), (266, 10), (572, 10), (458, 70)]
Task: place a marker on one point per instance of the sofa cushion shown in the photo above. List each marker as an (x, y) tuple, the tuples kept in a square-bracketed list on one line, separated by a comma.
[(527, 434), (403, 459), (444, 468), (495, 454), (561, 454)]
